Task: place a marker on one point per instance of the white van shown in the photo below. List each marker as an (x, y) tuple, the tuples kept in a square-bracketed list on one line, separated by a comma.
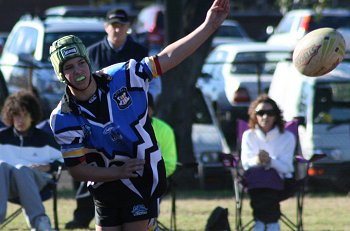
[(323, 106)]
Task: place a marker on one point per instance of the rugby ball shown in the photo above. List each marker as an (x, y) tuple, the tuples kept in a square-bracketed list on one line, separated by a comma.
[(319, 52)]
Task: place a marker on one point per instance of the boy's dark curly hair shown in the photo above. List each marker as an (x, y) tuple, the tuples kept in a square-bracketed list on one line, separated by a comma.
[(22, 100), (264, 98)]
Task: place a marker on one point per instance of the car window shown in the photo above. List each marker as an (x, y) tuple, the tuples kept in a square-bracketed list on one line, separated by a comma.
[(229, 31), (3, 90), (332, 102), (24, 41), (200, 111), (87, 37), (329, 21), (251, 62), (160, 20), (285, 25)]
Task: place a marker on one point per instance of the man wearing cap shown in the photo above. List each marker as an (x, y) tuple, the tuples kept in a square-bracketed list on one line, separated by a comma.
[(116, 47), (104, 130)]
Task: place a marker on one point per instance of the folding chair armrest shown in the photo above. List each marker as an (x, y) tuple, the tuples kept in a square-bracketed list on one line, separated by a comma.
[(229, 160)]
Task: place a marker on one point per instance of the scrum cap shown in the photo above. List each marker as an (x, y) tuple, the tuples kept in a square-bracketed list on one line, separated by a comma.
[(66, 48)]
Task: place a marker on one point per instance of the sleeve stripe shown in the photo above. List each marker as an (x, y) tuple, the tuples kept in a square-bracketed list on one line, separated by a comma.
[(156, 61), (76, 153), (156, 70)]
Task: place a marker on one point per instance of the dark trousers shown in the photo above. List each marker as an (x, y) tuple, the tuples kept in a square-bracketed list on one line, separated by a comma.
[(265, 204), (85, 210)]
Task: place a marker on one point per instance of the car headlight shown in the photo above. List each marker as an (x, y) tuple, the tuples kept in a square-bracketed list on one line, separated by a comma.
[(209, 157)]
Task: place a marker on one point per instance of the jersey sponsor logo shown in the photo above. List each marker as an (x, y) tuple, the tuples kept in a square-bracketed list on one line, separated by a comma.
[(122, 98), (114, 134), (139, 210)]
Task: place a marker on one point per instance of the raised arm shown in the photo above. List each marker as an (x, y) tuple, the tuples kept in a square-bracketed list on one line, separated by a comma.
[(176, 52)]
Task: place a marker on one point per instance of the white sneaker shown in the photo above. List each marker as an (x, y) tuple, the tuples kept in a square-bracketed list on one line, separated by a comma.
[(42, 224)]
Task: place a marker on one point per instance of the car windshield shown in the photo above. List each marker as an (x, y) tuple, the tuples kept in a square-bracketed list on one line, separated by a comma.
[(332, 102), (87, 37), (329, 21), (254, 62), (229, 31)]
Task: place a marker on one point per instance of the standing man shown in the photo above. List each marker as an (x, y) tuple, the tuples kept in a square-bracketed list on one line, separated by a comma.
[(116, 47)]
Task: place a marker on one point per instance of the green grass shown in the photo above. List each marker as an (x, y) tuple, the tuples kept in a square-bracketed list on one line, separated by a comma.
[(321, 211)]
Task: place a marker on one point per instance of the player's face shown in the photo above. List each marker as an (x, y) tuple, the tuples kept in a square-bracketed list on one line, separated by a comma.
[(265, 116), (117, 32), (22, 121), (77, 72)]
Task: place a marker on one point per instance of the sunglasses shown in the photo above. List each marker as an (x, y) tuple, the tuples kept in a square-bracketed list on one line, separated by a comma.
[(270, 112)]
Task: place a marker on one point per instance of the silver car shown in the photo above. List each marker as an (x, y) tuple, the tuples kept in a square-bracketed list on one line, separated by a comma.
[(234, 74), (25, 58)]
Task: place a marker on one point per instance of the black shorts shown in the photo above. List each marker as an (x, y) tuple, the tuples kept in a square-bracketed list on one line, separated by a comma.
[(107, 215)]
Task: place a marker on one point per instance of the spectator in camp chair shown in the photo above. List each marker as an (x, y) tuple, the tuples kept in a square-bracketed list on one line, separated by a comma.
[(26, 155), (267, 154)]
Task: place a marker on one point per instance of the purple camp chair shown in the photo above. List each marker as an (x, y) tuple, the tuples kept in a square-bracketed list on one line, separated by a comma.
[(255, 176)]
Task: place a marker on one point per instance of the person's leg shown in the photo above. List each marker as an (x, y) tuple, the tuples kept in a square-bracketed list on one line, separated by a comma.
[(137, 225), (135, 216), (265, 205), (4, 189), (113, 228), (259, 226), (28, 184), (273, 227), (85, 211)]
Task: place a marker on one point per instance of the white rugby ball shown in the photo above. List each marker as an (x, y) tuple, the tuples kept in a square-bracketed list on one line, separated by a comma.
[(319, 52)]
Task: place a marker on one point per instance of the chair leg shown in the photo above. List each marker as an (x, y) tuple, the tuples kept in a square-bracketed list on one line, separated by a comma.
[(173, 209), (238, 200), (300, 203), (11, 217), (55, 215)]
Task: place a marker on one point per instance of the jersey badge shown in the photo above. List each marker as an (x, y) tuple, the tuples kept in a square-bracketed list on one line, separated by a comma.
[(122, 98)]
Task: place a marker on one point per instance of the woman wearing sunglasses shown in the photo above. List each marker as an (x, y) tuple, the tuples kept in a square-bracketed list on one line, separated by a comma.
[(267, 158)]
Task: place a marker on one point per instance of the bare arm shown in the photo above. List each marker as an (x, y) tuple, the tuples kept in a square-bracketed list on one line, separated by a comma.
[(85, 172), (176, 52)]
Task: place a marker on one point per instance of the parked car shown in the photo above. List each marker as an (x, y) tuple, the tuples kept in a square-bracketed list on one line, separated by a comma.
[(230, 31), (235, 74), (85, 11), (25, 58), (296, 23), (148, 27), (322, 106), (208, 142)]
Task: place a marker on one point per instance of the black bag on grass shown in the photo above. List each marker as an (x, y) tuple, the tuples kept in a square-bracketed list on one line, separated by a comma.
[(218, 220)]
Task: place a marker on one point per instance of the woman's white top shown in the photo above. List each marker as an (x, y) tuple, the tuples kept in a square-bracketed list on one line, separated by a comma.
[(280, 146)]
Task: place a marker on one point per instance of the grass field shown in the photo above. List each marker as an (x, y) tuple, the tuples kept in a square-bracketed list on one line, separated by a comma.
[(321, 211)]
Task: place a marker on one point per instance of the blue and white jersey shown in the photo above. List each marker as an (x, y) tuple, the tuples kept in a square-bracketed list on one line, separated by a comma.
[(114, 121)]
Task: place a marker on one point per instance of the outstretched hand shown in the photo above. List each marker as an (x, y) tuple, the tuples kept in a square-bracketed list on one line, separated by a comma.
[(130, 167), (218, 12)]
